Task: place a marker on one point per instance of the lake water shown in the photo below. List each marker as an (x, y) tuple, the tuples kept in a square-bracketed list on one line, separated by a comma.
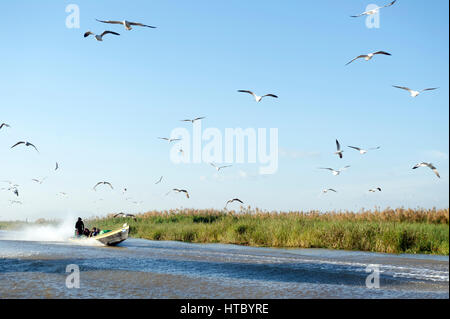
[(159, 269)]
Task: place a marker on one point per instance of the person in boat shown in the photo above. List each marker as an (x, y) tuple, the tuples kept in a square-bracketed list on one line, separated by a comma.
[(79, 227), (94, 232), (86, 232)]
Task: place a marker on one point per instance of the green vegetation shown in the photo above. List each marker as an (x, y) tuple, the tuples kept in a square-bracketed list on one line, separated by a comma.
[(388, 231)]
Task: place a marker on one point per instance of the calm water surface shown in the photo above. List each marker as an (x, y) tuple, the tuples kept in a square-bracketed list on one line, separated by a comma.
[(157, 269)]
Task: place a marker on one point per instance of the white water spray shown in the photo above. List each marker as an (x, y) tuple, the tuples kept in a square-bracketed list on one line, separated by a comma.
[(60, 232)]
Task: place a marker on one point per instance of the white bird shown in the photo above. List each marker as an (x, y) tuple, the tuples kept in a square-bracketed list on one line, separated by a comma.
[(122, 215), (329, 189), (233, 200), (218, 168), (62, 194), (26, 144), (39, 181), (193, 120), (15, 202), (14, 189), (335, 172), (169, 139), (105, 183), (159, 181), (339, 151), (99, 37), (127, 24), (412, 92), (57, 166), (361, 151), (257, 97), (431, 166), (4, 125), (181, 191), (369, 56), (374, 11), (373, 190)]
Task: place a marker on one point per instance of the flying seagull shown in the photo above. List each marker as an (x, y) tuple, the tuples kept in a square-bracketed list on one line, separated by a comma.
[(39, 181), (26, 144), (335, 172), (328, 190), (339, 151), (57, 166), (218, 168), (169, 139), (193, 120), (257, 98), (373, 190), (4, 125), (369, 56), (412, 92), (99, 37), (159, 181), (233, 200), (123, 215), (127, 24), (15, 202), (181, 191), (374, 11), (12, 187), (431, 166), (105, 183), (361, 151)]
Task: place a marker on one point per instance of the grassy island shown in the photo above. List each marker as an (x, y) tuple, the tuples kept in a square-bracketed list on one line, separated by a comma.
[(424, 231)]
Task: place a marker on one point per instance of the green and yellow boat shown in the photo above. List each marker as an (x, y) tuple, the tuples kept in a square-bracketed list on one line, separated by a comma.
[(106, 237)]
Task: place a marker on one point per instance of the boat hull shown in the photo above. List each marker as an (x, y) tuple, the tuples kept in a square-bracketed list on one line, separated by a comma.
[(111, 238)]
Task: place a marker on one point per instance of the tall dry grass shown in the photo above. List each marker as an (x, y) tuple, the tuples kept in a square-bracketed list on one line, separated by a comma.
[(390, 230)]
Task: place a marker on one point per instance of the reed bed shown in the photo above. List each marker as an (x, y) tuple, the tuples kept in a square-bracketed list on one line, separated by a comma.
[(388, 231)]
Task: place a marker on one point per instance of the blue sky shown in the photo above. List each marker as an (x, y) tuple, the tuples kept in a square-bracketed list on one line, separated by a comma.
[(98, 107)]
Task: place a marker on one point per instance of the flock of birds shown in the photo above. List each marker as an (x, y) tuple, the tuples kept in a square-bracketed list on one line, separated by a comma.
[(128, 26), (413, 93)]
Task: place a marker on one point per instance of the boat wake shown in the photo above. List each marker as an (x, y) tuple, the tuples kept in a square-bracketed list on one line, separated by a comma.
[(44, 233)]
